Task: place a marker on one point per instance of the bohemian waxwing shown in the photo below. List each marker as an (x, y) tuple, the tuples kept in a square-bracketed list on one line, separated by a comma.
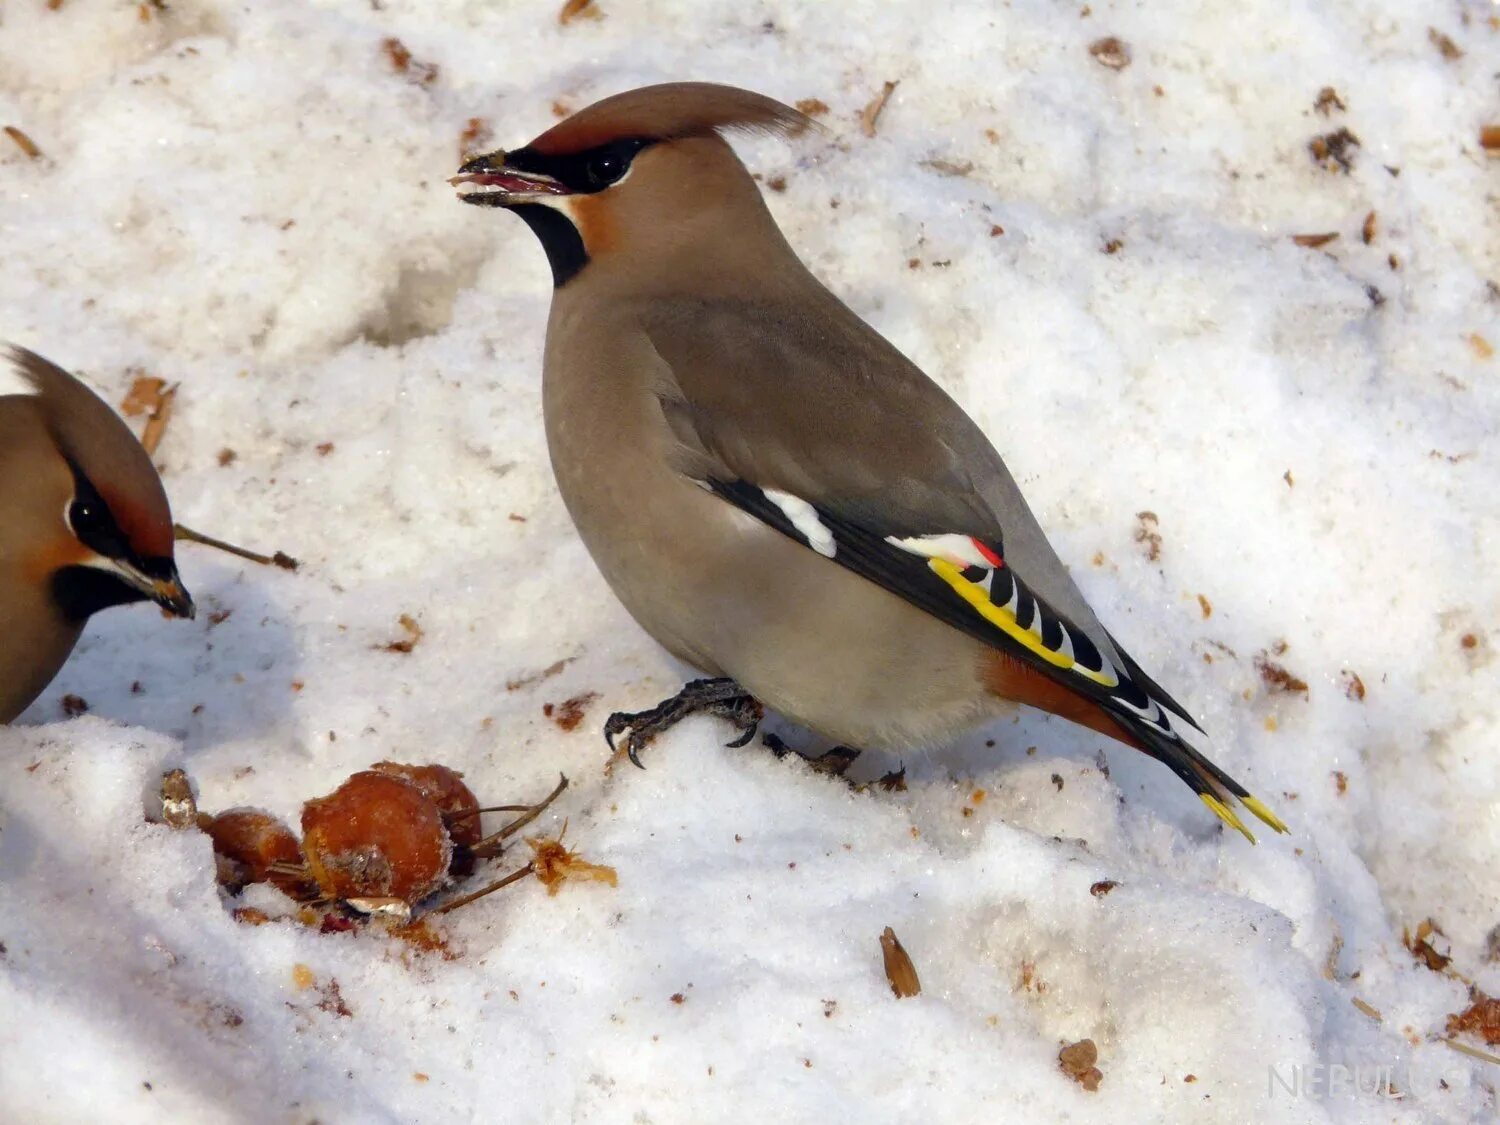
[(84, 523), (774, 492)]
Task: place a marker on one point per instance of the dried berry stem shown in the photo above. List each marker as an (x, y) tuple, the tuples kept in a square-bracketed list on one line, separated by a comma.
[(286, 562), (492, 844), (464, 900)]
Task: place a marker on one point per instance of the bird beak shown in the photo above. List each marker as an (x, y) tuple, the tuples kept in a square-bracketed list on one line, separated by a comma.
[(164, 588), (486, 182)]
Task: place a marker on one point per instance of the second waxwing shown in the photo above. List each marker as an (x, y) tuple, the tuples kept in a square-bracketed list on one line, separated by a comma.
[(775, 493), (84, 523)]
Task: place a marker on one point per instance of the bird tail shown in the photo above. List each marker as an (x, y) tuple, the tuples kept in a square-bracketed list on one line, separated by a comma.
[(1215, 788)]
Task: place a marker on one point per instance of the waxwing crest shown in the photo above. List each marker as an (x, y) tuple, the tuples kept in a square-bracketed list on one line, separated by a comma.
[(669, 111)]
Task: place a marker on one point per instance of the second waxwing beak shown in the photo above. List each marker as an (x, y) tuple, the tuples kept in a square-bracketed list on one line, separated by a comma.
[(164, 587), (486, 181)]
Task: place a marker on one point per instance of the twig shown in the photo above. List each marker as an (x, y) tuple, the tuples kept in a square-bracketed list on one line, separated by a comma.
[(285, 561), (1472, 1052), (464, 900), (871, 113), (491, 845)]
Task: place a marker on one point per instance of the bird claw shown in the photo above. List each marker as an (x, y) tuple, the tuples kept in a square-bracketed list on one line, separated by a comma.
[(719, 696)]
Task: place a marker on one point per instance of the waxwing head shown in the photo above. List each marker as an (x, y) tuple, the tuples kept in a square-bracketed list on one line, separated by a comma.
[(91, 527), (643, 178)]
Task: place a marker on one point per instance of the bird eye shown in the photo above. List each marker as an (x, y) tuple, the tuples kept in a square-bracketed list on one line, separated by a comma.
[(87, 518), (605, 169)]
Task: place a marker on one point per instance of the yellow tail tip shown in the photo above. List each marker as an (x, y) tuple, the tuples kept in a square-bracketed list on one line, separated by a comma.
[(1227, 815), (1254, 805)]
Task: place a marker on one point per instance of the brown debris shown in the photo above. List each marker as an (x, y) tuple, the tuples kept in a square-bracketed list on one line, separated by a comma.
[(23, 142), (1446, 47), (1110, 52), (813, 107), (1482, 347), (537, 677), (423, 74), (1077, 1062), (1277, 678), (1113, 246), (899, 970), (1314, 240), (153, 397), (1489, 139), (1328, 101), (1334, 151), (1354, 687), (1147, 533), (570, 712), (1367, 229), (1206, 606), (332, 1000), (578, 9), (1103, 887), (413, 634), (554, 865), (74, 705), (945, 167), (894, 781), (1420, 945), (476, 137), (226, 457), (1481, 1018), (870, 115), (1340, 782), (1368, 1009)]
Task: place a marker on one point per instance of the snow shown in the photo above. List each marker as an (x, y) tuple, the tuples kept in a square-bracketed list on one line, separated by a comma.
[(250, 199)]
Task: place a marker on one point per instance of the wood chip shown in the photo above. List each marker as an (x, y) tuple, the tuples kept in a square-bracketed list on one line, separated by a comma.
[(899, 970), (870, 115), (1314, 240), (813, 107), (1446, 47), (23, 142), (1110, 52), (579, 9)]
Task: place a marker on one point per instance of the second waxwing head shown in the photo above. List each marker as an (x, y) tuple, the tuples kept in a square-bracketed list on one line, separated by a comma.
[(641, 183), (84, 520)]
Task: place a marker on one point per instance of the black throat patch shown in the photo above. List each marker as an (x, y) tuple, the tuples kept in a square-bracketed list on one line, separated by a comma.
[(559, 238)]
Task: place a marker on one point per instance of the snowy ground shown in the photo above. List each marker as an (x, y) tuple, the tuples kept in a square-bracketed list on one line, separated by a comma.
[(250, 199)]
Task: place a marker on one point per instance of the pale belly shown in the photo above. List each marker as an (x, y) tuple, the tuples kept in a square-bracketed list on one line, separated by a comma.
[(732, 596)]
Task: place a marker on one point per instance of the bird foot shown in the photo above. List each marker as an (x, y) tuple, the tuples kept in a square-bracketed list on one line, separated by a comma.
[(834, 762), (721, 697)]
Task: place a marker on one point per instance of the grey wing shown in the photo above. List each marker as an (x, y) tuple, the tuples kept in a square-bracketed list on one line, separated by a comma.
[(813, 402)]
